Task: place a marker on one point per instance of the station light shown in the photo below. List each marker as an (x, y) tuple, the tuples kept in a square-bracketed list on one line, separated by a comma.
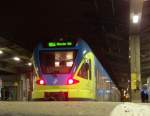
[(135, 19), (1, 52), (29, 64), (129, 56), (16, 58), (107, 81)]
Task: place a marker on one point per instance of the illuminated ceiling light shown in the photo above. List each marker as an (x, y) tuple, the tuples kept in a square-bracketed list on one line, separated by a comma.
[(135, 19), (129, 56), (29, 64), (16, 58), (1, 52), (107, 91)]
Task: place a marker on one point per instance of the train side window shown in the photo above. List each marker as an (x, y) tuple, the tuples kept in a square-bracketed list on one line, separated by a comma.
[(84, 71)]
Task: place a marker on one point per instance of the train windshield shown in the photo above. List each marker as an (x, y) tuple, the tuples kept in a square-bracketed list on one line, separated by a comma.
[(57, 62)]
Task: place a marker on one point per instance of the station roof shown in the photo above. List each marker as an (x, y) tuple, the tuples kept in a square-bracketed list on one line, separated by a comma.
[(104, 24)]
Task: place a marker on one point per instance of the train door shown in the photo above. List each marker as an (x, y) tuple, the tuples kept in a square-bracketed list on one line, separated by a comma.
[(89, 71), (91, 79), (85, 73)]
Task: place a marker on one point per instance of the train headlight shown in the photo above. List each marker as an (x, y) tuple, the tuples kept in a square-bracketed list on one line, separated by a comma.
[(41, 82), (71, 81)]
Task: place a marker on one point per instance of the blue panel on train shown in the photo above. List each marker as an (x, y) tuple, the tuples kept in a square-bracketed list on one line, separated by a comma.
[(56, 79)]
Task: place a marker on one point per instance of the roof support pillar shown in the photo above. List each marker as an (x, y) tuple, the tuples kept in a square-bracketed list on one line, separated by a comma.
[(134, 43), (134, 50)]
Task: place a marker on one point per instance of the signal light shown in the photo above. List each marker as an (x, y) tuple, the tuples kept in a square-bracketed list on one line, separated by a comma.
[(71, 81), (40, 82)]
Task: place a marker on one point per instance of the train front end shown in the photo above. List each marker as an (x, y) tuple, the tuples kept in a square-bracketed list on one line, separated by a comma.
[(55, 67)]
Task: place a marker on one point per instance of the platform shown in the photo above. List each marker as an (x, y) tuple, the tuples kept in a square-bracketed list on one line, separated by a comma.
[(73, 109)]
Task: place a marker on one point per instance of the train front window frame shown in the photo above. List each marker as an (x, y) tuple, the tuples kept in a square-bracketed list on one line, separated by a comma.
[(57, 61), (85, 70)]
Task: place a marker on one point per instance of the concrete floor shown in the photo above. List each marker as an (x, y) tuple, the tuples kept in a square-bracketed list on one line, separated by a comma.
[(73, 109)]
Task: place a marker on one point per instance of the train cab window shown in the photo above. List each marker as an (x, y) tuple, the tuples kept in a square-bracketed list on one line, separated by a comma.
[(85, 71), (57, 62)]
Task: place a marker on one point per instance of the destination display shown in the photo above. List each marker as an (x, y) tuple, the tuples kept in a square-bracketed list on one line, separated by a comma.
[(59, 44)]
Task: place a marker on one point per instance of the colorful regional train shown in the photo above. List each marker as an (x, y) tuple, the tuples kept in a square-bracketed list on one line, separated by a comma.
[(68, 70)]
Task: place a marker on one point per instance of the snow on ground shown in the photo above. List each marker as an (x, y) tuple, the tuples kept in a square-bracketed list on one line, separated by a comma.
[(131, 109)]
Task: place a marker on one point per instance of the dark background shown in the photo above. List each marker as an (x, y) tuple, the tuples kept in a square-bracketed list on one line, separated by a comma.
[(103, 24)]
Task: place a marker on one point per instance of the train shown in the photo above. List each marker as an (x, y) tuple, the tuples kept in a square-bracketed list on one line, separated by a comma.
[(67, 69)]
